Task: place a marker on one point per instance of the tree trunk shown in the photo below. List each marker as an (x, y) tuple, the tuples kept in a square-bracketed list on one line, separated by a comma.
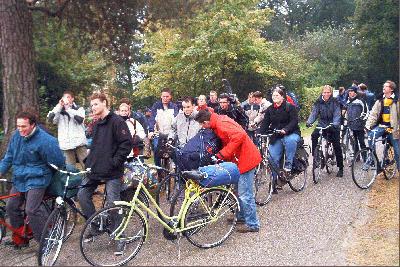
[(18, 61)]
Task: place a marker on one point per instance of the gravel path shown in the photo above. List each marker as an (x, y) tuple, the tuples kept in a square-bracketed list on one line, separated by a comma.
[(312, 227)]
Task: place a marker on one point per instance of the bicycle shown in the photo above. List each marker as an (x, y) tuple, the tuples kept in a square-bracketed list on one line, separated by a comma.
[(366, 164), (125, 223), (323, 159), (21, 236), (265, 182), (347, 142), (62, 220)]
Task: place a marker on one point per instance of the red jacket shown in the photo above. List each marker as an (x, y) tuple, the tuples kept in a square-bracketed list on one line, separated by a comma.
[(237, 146), (198, 108)]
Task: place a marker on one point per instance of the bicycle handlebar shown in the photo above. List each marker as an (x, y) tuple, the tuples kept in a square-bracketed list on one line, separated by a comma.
[(68, 172), (324, 128)]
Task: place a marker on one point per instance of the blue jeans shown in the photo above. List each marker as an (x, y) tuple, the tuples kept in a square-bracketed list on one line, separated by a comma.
[(157, 159), (247, 203), (289, 142), (379, 131)]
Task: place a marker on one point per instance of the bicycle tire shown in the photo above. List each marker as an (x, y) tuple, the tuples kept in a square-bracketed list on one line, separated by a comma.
[(318, 164), (214, 229), (389, 163), (97, 237), (52, 237), (329, 158), (72, 218), (298, 182), (263, 184), (176, 202), (364, 168)]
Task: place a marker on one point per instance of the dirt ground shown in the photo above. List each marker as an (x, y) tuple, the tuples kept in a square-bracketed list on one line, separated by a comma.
[(376, 236)]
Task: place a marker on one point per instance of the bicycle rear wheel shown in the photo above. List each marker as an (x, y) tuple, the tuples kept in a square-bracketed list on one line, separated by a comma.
[(349, 150), (169, 187), (330, 158), (52, 237), (263, 184), (298, 181), (318, 164), (389, 163), (207, 218), (364, 168), (98, 242)]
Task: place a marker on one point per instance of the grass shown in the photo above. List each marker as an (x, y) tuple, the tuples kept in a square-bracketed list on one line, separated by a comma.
[(306, 131)]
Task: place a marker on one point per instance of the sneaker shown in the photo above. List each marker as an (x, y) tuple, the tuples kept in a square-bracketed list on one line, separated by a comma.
[(247, 229), (119, 248), (238, 221), (340, 173)]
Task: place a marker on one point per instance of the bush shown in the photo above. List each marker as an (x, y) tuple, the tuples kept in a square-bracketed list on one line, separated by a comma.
[(307, 100)]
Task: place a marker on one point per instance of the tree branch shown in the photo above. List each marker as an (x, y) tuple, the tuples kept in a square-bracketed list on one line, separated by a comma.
[(47, 11)]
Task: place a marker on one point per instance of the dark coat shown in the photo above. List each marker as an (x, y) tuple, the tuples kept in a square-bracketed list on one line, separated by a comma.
[(327, 112), (112, 143), (235, 113), (284, 117), (356, 112)]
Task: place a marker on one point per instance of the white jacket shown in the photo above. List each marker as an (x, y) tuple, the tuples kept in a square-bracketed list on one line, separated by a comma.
[(71, 129)]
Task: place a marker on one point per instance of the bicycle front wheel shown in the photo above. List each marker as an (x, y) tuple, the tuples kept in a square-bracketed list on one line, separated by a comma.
[(108, 239), (209, 218), (364, 168), (71, 219), (318, 164), (263, 184), (389, 163), (52, 237)]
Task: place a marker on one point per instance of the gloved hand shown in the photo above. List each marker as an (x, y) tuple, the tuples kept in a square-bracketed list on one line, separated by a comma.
[(308, 125)]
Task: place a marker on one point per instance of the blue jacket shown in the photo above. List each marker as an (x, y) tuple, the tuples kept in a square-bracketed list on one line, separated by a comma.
[(357, 111), (327, 112), (29, 158)]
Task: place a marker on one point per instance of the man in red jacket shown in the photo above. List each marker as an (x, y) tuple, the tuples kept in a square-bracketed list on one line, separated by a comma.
[(237, 148)]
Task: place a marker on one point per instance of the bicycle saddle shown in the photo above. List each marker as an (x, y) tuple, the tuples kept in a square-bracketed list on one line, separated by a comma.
[(194, 175)]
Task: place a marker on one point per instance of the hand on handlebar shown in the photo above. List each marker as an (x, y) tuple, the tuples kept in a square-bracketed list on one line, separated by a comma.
[(308, 125)]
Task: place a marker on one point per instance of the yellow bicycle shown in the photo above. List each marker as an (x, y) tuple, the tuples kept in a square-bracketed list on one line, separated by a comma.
[(114, 235)]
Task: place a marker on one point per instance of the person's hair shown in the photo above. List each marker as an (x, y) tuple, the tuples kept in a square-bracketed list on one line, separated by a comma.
[(202, 96), (326, 86), (125, 100), (392, 84), (69, 93), (280, 91), (355, 82), (98, 95), (224, 95), (257, 94), (166, 90), (202, 116), (341, 89), (280, 86), (188, 99), (124, 104), (28, 114), (362, 86), (213, 92)]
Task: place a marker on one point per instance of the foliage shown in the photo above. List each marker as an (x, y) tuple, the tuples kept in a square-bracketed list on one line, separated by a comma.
[(376, 28), (307, 100), (332, 56), (223, 42), (295, 18)]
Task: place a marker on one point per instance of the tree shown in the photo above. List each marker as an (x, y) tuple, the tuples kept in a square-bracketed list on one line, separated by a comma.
[(18, 62), (376, 29), (223, 42)]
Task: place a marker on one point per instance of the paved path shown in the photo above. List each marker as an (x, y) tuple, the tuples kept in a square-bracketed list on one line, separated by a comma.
[(312, 227)]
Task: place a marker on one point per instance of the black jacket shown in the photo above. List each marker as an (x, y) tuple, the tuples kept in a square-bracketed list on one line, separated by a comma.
[(327, 112), (284, 117), (235, 113), (112, 143)]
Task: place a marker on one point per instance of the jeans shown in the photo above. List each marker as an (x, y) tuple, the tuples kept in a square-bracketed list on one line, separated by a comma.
[(157, 159), (247, 203), (359, 140), (35, 212), (85, 194), (276, 149), (378, 132), (333, 136)]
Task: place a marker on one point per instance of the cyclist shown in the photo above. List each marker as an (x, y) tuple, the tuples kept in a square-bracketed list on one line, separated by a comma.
[(238, 148), (202, 103), (327, 108), (184, 127), (228, 106), (29, 153), (357, 110), (282, 116), (162, 115), (384, 118)]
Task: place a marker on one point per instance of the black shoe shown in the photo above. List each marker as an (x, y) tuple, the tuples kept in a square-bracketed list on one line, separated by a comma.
[(119, 248), (340, 173), (246, 229), (11, 243), (231, 220)]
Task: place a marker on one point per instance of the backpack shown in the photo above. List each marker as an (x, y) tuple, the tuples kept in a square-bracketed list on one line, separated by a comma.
[(198, 151), (294, 98)]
